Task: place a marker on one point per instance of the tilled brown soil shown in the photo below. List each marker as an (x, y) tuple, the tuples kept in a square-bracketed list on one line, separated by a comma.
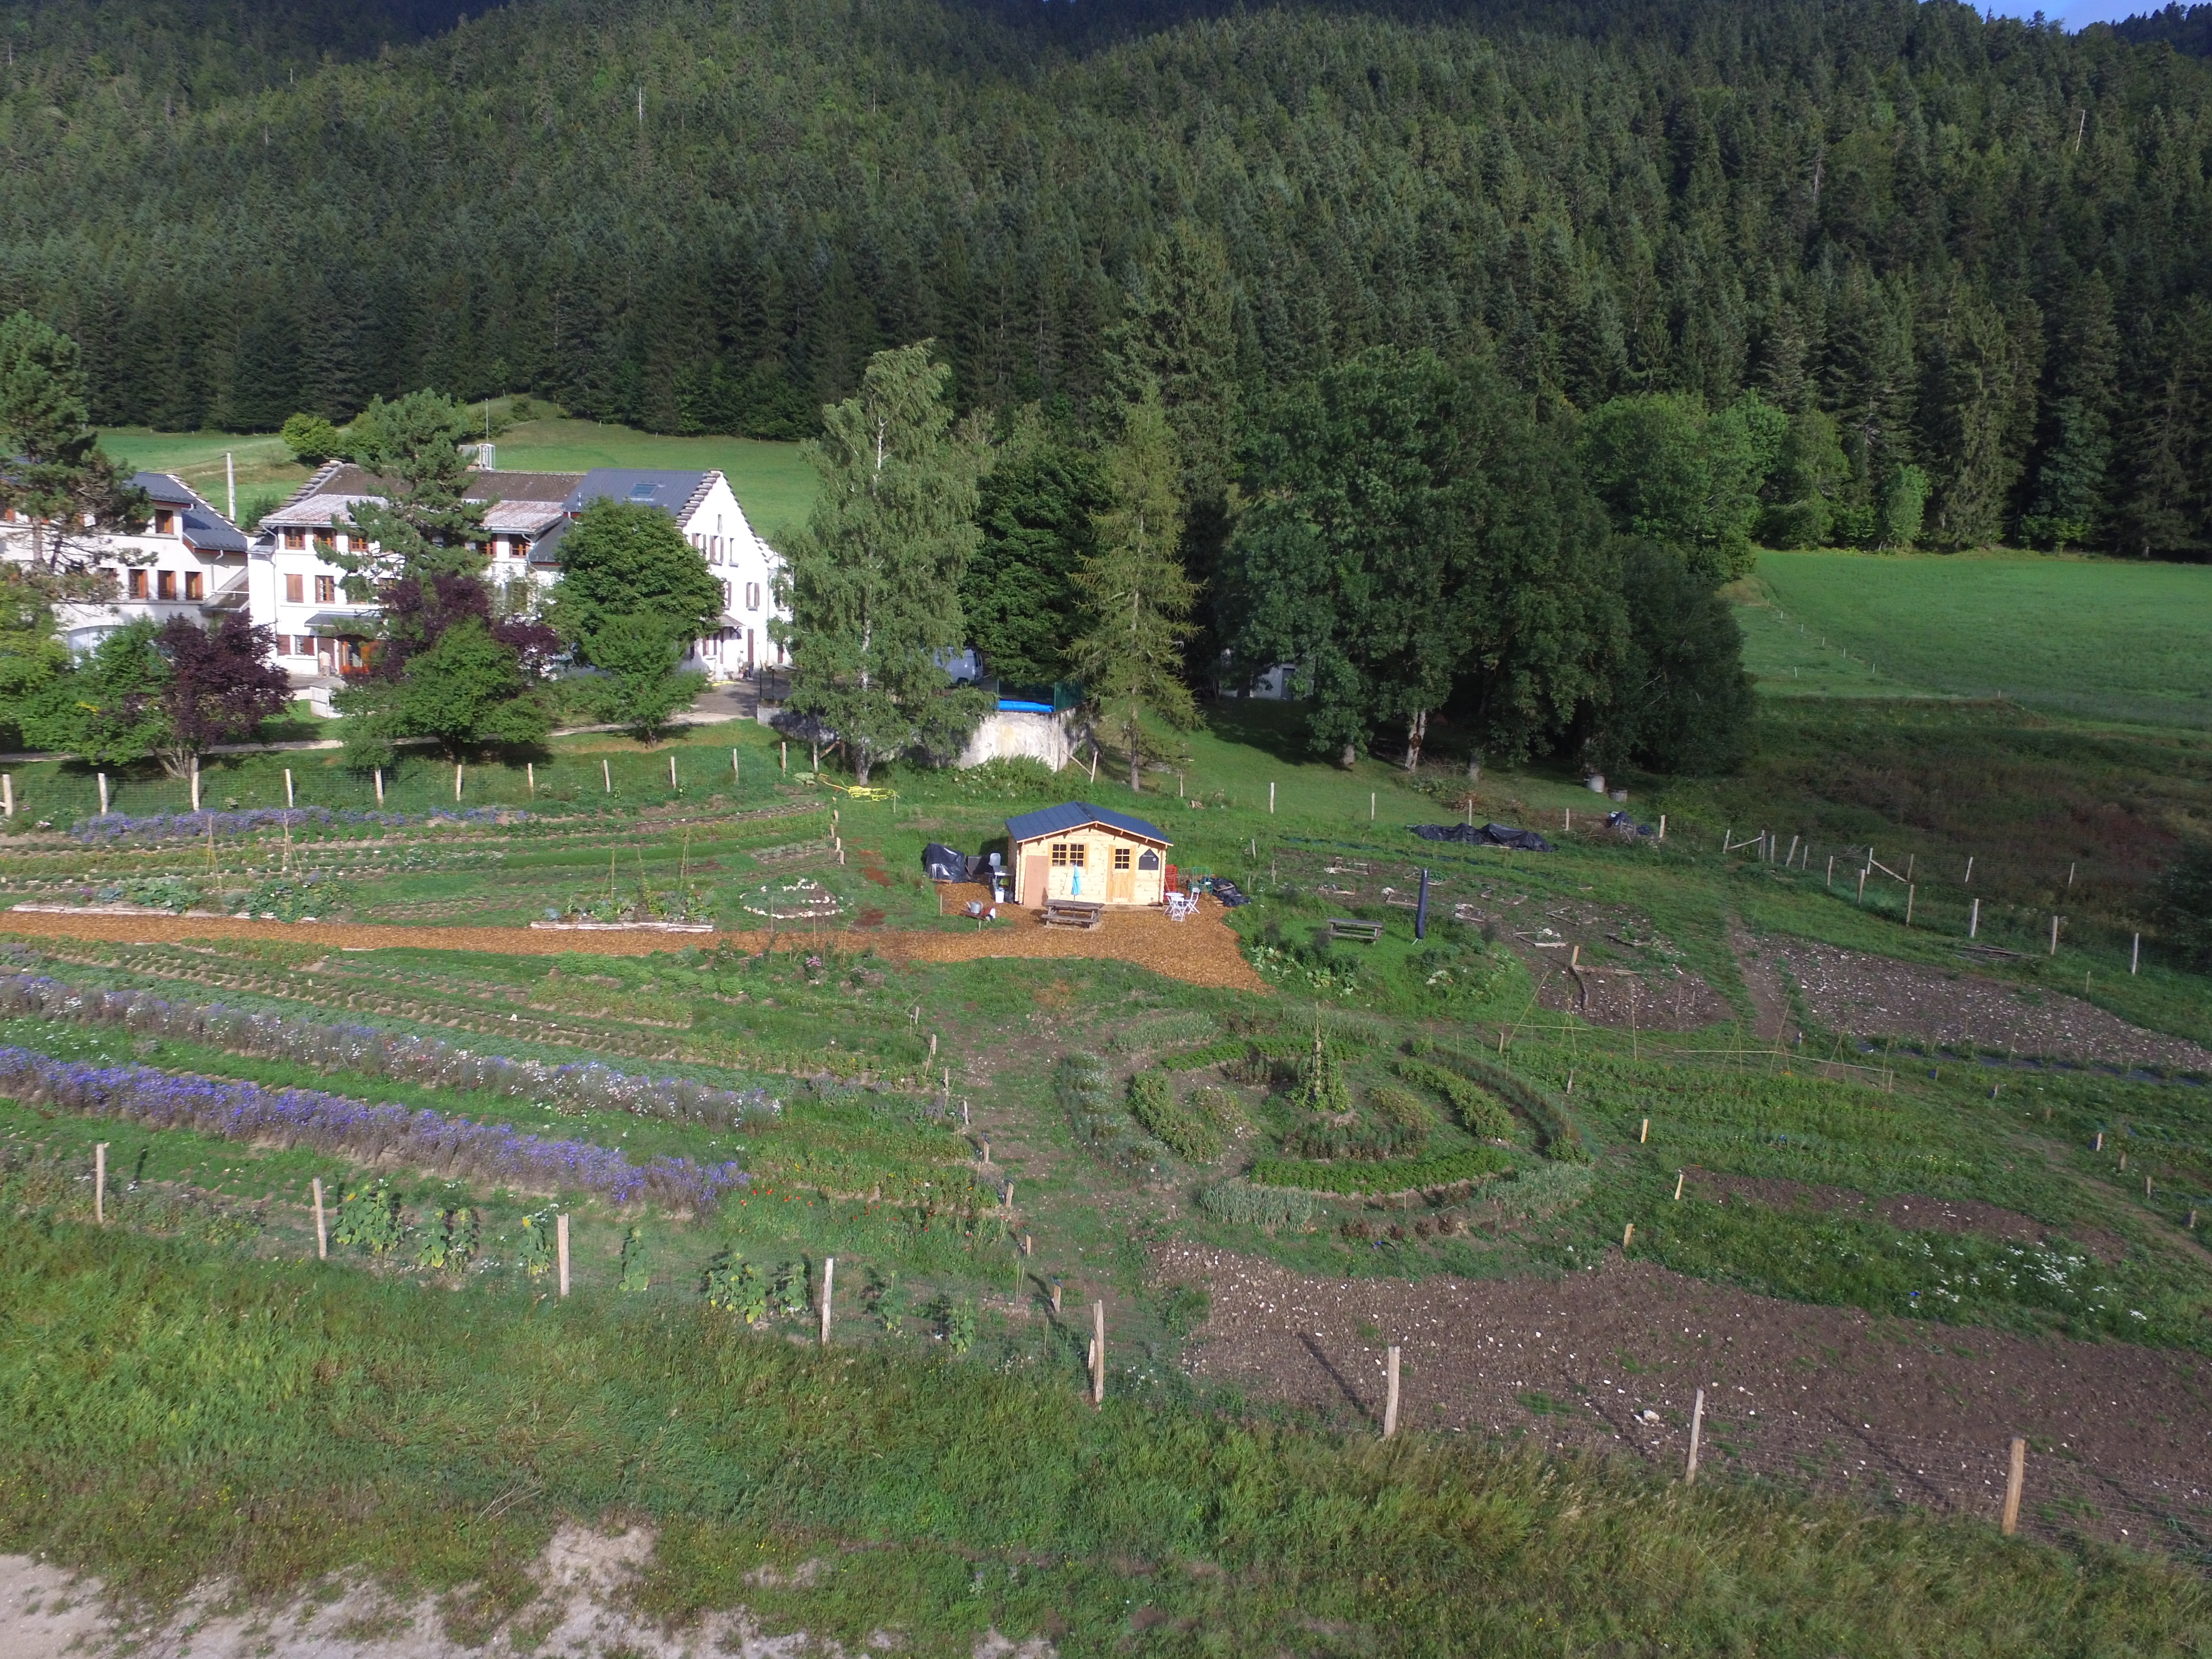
[(1199, 950), (1877, 996), (1825, 1399)]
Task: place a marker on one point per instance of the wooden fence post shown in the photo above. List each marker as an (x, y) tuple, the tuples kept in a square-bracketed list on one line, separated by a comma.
[(737, 773), (1646, 1134), (561, 1246), (1097, 1354), (194, 777), (7, 793), (322, 1230), (1390, 1392), (458, 770), (829, 1289), (99, 1183), (1271, 798), (103, 794), (606, 775), (1681, 1176), (1974, 919), (2014, 1478), (1663, 826), (380, 786), (2135, 954), (2054, 935), (289, 802), (1968, 880), (1697, 1428), (529, 777), (1909, 892), (671, 772)]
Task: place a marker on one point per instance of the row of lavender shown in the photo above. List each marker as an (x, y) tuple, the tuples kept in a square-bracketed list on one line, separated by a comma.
[(585, 1086), (170, 826), (361, 1131)]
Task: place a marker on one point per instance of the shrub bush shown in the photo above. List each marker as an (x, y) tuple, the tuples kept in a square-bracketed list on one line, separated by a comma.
[(1480, 1112), (1184, 1131), (1555, 1129)]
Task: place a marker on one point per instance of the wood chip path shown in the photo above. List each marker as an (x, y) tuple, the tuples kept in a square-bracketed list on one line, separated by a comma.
[(1200, 952)]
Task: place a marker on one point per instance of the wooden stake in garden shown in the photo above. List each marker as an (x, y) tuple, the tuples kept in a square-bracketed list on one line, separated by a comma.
[(1390, 1392), (785, 754), (2054, 935), (99, 1182), (560, 1248), (1681, 1176), (194, 777), (737, 773), (1646, 1134), (1627, 1236), (1974, 919), (1097, 1354), (1909, 893), (380, 786), (671, 772), (322, 1229), (1697, 1429), (1271, 795), (2135, 954), (1968, 879), (606, 775), (1663, 826), (829, 1289), (457, 779), (2016, 1478), (289, 800), (8, 793), (103, 794), (529, 777), (1832, 869)]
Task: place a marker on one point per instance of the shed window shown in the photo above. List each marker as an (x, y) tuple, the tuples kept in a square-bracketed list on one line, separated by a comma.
[(1148, 860), (1068, 855), (1120, 858)]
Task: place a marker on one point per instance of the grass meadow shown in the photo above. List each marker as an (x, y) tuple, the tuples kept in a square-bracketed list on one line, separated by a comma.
[(986, 1146), (2098, 639)]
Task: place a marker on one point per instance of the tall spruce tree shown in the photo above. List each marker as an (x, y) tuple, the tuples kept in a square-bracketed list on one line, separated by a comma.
[(1140, 598), (872, 583), (52, 470), (2073, 465)]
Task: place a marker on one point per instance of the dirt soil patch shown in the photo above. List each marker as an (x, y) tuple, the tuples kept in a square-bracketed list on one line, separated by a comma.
[(1662, 998), (1878, 996), (1201, 950), (1829, 1400)]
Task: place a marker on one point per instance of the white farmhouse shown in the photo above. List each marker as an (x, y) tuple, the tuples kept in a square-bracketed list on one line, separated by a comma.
[(323, 638), (706, 510), (188, 560)]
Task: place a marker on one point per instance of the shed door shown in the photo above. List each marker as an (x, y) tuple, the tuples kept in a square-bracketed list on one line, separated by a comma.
[(1120, 873)]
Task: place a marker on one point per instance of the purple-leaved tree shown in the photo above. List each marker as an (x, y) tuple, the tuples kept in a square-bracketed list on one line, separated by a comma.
[(223, 682)]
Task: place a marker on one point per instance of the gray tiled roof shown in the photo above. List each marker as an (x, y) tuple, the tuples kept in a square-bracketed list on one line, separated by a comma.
[(677, 494)]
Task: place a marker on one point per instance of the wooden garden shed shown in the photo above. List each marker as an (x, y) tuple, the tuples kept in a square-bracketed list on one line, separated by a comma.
[(1079, 850)]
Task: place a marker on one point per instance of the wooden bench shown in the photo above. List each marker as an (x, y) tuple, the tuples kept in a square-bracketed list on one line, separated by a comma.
[(1073, 913), (1357, 932)]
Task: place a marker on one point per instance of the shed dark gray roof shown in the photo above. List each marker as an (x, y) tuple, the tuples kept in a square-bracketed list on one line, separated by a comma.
[(203, 527), (1078, 815), (676, 494)]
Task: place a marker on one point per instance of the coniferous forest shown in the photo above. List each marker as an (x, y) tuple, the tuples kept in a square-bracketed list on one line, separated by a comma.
[(1979, 248)]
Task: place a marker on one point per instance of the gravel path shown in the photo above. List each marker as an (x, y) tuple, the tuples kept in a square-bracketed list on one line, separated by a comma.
[(1877, 996), (1829, 1398)]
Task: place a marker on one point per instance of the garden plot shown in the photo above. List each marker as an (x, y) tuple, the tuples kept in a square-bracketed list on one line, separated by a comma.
[(1824, 1399), (1966, 1217), (1877, 996)]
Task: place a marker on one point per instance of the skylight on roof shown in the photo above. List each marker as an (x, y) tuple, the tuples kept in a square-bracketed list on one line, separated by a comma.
[(641, 492)]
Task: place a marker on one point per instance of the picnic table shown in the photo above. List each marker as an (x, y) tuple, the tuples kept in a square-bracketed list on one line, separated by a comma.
[(1359, 933), (1073, 913)]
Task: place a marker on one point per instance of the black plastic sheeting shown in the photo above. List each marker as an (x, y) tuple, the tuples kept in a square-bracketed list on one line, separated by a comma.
[(1489, 835), (1621, 823), (1227, 891), (945, 863)]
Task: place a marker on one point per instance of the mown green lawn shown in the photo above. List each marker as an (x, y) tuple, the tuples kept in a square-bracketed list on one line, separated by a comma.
[(2096, 638)]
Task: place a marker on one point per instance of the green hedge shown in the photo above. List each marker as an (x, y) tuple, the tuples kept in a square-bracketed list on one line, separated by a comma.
[(1478, 1111), (1555, 1129), (1447, 1169)]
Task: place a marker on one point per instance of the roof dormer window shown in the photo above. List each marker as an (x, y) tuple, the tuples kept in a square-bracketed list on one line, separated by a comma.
[(165, 523), (641, 492)]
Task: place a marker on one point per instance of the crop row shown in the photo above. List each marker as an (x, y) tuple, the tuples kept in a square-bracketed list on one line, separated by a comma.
[(1410, 1175), (432, 1062), (357, 1130)]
